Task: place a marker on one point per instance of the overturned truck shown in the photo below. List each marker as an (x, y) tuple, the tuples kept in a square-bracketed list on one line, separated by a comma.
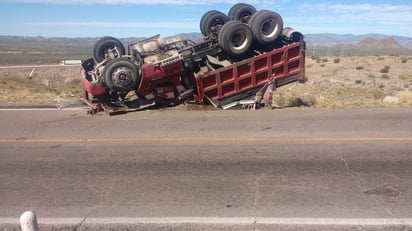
[(243, 57)]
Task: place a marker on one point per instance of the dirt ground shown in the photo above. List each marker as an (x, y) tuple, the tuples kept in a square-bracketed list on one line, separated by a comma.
[(351, 82), (40, 85), (333, 82)]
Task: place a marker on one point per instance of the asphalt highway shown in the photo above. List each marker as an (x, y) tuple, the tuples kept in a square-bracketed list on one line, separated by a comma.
[(208, 170)]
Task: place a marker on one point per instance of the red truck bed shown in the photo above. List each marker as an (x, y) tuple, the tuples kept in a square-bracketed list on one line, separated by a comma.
[(280, 66)]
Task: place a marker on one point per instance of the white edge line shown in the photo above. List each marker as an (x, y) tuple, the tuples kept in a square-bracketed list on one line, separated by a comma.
[(218, 220)]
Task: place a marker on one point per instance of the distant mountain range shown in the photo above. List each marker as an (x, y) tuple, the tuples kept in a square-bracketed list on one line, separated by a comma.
[(336, 39), (368, 44), (320, 44)]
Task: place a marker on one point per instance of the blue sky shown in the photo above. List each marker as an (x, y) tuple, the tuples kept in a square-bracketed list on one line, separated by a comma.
[(143, 18)]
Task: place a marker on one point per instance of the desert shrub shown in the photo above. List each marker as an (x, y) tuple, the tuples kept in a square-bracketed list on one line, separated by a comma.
[(378, 94), (385, 69), (279, 100), (323, 101), (406, 78), (336, 61), (75, 82), (359, 68), (358, 81), (299, 102), (385, 76), (325, 60), (404, 61), (405, 97)]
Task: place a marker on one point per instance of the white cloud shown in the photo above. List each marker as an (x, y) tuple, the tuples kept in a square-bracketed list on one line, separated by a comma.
[(140, 2), (178, 25), (361, 12), (356, 18)]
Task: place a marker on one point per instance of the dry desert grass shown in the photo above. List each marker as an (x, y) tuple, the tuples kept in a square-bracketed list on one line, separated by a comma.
[(334, 82), (40, 85), (351, 82)]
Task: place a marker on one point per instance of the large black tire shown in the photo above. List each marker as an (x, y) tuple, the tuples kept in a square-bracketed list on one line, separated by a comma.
[(203, 19), (102, 45), (266, 26), (121, 75), (235, 38), (212, 19), (241, 12)]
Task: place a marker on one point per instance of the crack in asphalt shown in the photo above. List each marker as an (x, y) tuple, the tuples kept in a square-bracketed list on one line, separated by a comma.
[(361, 181), (77, 227), (361, 184), (103, 197)]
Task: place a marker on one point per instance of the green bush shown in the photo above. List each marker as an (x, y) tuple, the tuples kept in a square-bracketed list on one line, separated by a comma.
[(385, 69), (407, 78)]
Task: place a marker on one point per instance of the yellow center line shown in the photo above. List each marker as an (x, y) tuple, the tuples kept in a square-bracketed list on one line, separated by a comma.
[(202, 139)]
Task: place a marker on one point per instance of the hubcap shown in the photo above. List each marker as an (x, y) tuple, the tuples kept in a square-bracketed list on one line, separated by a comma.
[(122, 77)]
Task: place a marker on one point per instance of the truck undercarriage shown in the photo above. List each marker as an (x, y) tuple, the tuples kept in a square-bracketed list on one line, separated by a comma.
[(243, 58)]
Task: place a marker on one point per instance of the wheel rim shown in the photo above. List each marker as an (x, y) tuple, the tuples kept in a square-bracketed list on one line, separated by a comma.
[(269, 29), (239, 40), (122, 77)]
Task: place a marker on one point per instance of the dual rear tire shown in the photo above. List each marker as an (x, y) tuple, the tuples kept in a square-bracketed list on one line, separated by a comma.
[(235, 38), (266, 26), (237, 31)]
